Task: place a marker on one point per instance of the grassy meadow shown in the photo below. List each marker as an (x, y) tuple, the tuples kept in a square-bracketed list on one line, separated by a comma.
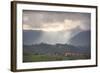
[(37, 58)]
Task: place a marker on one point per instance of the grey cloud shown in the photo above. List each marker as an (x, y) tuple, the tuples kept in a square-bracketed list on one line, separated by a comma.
[(36, 18)]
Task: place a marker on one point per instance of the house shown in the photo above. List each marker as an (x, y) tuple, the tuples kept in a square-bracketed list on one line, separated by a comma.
[(68, 53)]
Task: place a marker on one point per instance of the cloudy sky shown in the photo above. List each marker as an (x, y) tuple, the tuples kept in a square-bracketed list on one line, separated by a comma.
[(56, 27)]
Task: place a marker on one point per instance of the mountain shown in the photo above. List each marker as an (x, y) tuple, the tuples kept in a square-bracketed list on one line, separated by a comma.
[(37, 36), (81, 39), (30, 36)]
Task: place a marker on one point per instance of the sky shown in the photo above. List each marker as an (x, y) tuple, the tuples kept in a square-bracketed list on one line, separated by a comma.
[(53, 27)]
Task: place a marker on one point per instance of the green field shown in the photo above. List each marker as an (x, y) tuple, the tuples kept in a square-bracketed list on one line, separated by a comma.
[(37, 58)]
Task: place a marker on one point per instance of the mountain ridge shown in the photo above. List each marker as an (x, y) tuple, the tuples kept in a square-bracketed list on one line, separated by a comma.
[(83, 38)]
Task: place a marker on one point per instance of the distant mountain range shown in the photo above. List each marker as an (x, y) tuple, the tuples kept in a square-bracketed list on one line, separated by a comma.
[(81, 39), (37, 36), (29, 36)]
